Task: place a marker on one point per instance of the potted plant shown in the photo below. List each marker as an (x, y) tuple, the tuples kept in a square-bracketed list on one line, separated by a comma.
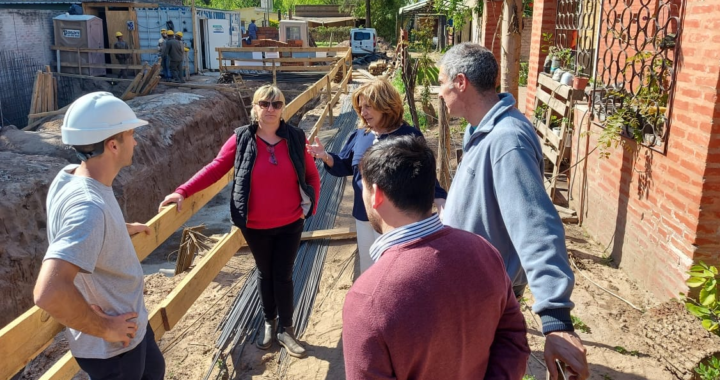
[(581, 79)]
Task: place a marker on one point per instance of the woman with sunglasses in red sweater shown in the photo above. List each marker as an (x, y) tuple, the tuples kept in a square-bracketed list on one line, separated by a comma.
[(276, 187)]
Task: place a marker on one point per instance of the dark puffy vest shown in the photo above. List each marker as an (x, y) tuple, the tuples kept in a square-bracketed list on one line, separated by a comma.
[(245, 159)]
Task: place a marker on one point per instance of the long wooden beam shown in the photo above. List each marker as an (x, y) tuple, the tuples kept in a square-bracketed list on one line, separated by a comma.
[(283, 60), (278, 68), (335, 233), (283, 49), (104, 51), (102, 66)]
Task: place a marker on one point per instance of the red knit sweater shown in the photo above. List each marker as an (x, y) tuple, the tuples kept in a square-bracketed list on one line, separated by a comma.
[(274, 191), (440, 307)]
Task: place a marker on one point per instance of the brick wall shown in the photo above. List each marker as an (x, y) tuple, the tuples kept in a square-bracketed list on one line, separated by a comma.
[(491, 30), (544, 14), (29, 31), (526, 39), (658, 213)]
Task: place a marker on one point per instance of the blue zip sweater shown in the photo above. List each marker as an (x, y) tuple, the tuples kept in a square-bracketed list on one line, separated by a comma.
[(498, 193), (346, 163)]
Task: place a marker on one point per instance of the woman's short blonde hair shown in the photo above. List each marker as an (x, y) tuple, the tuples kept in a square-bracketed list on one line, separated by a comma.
[(267, 92), (383, 97)]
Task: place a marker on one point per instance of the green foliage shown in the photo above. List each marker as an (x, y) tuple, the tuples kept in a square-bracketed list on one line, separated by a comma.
[(711, 371), (428, 75), (524, 69), (624, 351), (273, 23), (578, 324), (529, 377), (231, 4), (397, 82), (547, 42), (706, 307), (382, 16), (323, 33), (456, 10)]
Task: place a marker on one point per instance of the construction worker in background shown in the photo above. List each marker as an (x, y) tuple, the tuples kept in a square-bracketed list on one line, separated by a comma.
[(91, 280), (252, 31), (121, 57), (170, 36), (174, 52), (184, 67), (164, 62), (499, 194)]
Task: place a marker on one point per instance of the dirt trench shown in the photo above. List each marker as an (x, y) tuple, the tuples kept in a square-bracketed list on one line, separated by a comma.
[(186, 131)]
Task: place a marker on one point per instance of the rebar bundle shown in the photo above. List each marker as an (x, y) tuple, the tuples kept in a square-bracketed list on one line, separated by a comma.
[(17, 76), (240, 326)]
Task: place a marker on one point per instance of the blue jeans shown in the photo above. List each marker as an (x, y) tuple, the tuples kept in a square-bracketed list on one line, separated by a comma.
[(144, 362)]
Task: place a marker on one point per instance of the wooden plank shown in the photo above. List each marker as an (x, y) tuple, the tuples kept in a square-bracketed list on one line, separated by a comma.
[(335, 233), (102, 66), (106, 79), (284, 49), (318, 124), (283, 60), (63, 369), (555, 104), (170, 219), (308, 94), (24, 338), (179, 301), (550, 153), (547, 133), (561, 89), (218, 87), (278, 68), (105, 51)]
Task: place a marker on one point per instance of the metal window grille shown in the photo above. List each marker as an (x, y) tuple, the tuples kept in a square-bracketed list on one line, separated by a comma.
[(575, 29), (635, 66)]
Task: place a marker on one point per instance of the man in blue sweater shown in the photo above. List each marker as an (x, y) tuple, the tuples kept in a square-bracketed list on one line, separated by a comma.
[(498, 193)]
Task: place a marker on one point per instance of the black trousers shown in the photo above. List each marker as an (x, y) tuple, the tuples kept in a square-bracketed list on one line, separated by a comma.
[(144, 362), (274, 251)]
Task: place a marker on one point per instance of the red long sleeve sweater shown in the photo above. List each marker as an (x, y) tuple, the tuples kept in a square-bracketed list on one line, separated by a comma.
[(440, 307), (274, 192)]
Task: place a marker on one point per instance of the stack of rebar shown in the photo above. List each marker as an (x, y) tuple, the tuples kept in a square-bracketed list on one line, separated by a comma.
[(17, 73), (241, 324)]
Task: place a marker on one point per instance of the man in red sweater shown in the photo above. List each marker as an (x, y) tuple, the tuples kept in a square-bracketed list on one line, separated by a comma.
[(438, 303)]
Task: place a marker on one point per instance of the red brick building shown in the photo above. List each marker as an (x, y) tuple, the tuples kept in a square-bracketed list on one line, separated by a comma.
[(658, 209)]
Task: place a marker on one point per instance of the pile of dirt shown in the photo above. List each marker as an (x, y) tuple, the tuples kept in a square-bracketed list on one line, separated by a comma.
[(186, 131)]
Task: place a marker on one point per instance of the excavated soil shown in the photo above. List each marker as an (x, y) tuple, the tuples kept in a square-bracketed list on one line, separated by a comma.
[(186, 130)]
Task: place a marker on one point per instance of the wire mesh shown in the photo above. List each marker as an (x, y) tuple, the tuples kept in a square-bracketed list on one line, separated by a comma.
[(17, 78)]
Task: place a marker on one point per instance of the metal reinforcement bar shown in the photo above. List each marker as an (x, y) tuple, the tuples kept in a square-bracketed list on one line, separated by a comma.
[(240, 326)]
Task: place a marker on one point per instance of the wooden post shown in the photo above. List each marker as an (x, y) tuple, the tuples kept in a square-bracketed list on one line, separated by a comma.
[(443, 147), (274, 72), (79, 64), (329, 95), (510, 48), (195, 39), (344, 66), (220, 60)]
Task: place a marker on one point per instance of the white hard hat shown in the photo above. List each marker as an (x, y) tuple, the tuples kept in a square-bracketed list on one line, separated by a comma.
[(94, 117)]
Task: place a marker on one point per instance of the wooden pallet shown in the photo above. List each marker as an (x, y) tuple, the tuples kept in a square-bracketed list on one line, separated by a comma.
[(560, 100)]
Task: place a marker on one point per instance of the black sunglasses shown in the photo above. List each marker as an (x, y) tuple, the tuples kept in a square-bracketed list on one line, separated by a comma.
[(276, 104)]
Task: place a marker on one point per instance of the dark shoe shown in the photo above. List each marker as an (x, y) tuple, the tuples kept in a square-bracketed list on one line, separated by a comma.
[(287, 339), (265, 338)]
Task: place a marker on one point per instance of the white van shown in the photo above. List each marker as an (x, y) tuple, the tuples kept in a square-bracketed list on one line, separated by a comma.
[(363, 41)]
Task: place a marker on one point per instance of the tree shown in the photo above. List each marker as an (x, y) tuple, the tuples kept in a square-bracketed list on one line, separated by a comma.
[(382, 12), (510, 46)]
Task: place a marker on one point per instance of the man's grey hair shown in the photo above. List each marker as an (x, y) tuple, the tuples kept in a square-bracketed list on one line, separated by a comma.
[(475, 61)]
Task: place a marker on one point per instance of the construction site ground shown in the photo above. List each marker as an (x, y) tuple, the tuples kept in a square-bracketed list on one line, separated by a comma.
[(610, 328)]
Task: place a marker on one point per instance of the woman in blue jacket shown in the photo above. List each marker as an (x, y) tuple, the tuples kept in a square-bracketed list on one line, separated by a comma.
[(380, 108)]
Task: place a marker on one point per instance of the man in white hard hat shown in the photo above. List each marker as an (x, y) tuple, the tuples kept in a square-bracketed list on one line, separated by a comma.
[(91, 280)]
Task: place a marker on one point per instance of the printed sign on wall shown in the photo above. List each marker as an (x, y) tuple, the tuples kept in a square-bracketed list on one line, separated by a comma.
[(71, 33), (218, 29)]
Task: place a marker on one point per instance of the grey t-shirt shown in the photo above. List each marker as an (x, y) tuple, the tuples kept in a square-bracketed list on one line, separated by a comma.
[(86, 228)]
